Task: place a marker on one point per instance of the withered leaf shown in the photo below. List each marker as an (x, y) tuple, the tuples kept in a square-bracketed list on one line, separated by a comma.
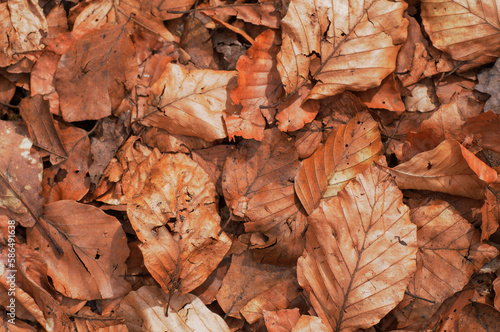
[(348, 151), (175, 218), (360, 253)]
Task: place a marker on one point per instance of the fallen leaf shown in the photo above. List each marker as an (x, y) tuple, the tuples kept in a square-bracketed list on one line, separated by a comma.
[(281, 320), (490, 213), (309, 323), (258, 84), (296, 111), (207, 291), (449, 253), (212, 161), (449, 168), (197, 42), (386, 96), (467, 32), (348, 151), (484, 130), (175, 218), (20, 175), (260, 280), (422, 99), (479, 317), (92, 266), (190, 103), (360, 253), (352, 46), (256, 13), (95, 74), (7, 90)]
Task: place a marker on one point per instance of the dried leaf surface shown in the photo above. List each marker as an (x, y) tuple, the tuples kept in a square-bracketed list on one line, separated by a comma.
[(256, 13), (356, 44), (190, 102), (92, 266), (484, 130), (296, 111), (310, 323), (20, 175), (176, 219), (281, 320), (449, 253), (449, 168), (467, 30), (348, 151), (479, 317), (360, 253), (490, 213), (259, 83)]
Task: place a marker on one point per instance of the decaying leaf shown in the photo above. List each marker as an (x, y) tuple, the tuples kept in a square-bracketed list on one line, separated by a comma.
[(479, 317), (360, 253), (175, 218), (256, 13), (484, 130), (258, 84), (92, 266), (348, 151), (449, 168), (449, 253), (342, 46), (20, 175), (190, 102), (296, 111)]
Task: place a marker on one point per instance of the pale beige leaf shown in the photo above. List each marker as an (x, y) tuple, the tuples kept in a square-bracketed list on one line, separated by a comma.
[(175, 217), (191, 103), (349, 45), (360, 253), (449, 253), (449, 168), (348, 151), (466, 29)]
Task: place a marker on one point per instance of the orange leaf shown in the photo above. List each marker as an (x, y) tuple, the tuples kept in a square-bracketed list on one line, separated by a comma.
[(479, 317), (490, 213), (352, 46), (175, 218), (484, 128), (360, 253), (296, 111), (386, 96), (449, 168), (347, 152), (281, 320), (449, 253), (258, 84)]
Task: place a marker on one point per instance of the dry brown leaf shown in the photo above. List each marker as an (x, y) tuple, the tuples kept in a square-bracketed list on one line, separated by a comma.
[(197, 42), (496, 287), (422, 99), (360, 253), (449, 168), (212, 161), (166, 142), (7, 90), (92, 266), (86, 320), (488, 83), (386, 96), (484, 130), (260, 280), (186, 313), (467, 30), (490, 213), (281, 320), (190, 103), (296, 111), (256, 13), (449, 253), (257, 185), (258, 84), (479, 317), (20, 175), (175, 218), (309, 324), (95, 74), (207, 291), (347, 152), (342, 46), (69, 179)]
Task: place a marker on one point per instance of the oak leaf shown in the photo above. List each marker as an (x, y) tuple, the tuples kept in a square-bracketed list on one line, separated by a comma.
[(449, 253), (348, 151), (341, 46), (190, 103), (258, 84), (93, 263), (360, 253), (449, 168), (175, 218)]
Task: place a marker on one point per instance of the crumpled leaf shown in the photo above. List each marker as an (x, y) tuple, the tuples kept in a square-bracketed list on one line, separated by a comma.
[(20, 175), (186, 313), (257, 186), (360, 253), (348, 151), (479, 317), (261, 280), (190, 103), (258, 84), (310, 323), (175, 217), (449, 168), (93, 263), (449, 253), (95, 74), (467, 30), (342, 46)]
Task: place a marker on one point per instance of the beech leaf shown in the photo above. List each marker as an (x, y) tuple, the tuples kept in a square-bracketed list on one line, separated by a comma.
[(348, 45), (348, 151), (360, 253), (449, 168), (175, 218)]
